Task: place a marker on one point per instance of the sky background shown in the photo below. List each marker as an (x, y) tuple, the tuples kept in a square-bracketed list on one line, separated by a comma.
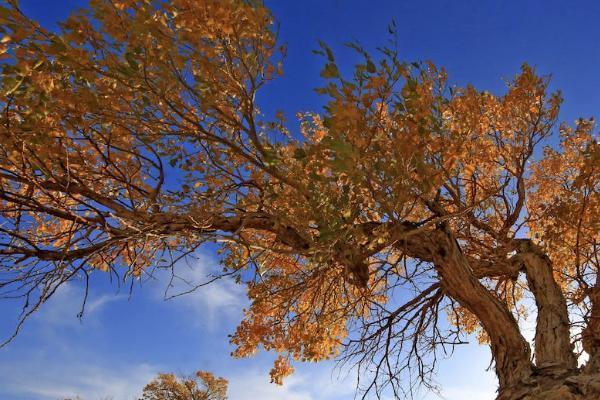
[(123, 341)]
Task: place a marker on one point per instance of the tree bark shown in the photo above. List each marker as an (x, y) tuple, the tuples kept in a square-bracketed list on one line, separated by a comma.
[(553, 347), (510, 350), (591, 333), (565, 385)]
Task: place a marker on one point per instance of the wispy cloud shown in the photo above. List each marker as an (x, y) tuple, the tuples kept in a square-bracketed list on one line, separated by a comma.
[(54, 363), (255, 384), (44, 378), (65, 358), (62, 309), (467, 392), (46, 381), (214, 305), (314, 382)]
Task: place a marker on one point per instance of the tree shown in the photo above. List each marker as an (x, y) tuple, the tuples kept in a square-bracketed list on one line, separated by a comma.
[(202, 386), (404, 215)]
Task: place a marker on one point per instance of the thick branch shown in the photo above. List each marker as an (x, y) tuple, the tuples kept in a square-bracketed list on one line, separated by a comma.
[(510, 350), (553, 346), (591, 333)]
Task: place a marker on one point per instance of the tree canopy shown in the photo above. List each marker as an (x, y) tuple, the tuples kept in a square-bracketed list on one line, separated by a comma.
[(202, 386), (379, 230)]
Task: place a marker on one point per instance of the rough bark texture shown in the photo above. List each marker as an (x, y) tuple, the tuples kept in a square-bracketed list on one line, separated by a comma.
[(591, 334), (553, 346), (555, 376), (510, 350), (555, 385)]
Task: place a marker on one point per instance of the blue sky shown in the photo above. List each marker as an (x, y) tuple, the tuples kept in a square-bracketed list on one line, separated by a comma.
[(122, 342)]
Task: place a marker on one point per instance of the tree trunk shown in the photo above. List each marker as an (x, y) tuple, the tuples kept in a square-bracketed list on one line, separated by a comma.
[(510, 350), (556, 376), (591, 333), (553, 348), (572, 384)]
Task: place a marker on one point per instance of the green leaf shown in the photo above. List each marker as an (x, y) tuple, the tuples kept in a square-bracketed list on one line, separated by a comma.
[(371, 67), (339, 145), (131, 61), (392, 27), (4, 12), (270, 157), (58, 45), (327, 51), (330, 71), (299, 154), (12, 84)]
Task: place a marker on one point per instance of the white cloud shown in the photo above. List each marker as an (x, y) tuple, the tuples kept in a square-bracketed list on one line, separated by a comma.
[(57, 363), (253, 385), (467, 392), (314, 382), (64, 306), (44, 379), (216, 304), (96, 305)]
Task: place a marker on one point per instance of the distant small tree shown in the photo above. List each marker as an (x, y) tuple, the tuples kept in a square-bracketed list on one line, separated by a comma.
[(404, 215), (202, 386)]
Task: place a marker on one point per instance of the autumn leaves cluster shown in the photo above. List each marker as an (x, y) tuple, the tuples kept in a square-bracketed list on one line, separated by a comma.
[(133, 136)]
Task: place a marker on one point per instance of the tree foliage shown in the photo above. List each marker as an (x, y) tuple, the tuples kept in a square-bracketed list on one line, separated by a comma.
[(202, 386), (405, 213)]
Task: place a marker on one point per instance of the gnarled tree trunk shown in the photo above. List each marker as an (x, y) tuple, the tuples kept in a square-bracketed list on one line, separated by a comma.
[(552, 374), (509, 348)]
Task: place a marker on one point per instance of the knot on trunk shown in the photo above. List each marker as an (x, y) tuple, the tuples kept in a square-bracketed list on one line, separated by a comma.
[(355, 266), (549, 384)]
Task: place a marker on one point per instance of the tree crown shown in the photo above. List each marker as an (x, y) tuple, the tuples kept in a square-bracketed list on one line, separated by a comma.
[(133, 136)]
